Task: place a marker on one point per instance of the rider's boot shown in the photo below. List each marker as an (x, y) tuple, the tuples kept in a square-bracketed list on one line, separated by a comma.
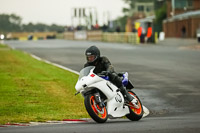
[(128, 96)]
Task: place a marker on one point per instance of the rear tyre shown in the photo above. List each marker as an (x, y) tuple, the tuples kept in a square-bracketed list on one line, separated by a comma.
[(135, 113), (97, 113)]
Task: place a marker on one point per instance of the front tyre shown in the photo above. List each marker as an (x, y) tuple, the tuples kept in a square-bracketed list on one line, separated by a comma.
[(135, 113), (97, 113)]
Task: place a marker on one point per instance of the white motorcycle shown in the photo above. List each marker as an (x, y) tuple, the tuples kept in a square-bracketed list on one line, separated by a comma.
[(103, 99)]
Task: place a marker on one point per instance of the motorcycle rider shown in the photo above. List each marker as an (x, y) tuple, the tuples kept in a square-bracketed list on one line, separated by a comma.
[(103, 66)]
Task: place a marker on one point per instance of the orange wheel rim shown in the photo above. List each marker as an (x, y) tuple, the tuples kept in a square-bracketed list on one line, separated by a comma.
[(101, 112), (139, 110)]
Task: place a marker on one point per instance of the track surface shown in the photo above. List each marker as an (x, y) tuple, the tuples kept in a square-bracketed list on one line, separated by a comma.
[(166, 78)]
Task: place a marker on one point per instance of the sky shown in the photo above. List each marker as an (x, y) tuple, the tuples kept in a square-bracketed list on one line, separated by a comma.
[(60, 11)]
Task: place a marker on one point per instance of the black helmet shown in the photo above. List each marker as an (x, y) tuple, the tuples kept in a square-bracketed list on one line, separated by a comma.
[(92, 54)]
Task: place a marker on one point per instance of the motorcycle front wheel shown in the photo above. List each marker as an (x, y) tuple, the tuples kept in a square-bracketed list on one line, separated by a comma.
[(97, 113), (135, 113)]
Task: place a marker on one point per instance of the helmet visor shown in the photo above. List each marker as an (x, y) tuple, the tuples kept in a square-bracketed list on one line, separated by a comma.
[(91, 58)]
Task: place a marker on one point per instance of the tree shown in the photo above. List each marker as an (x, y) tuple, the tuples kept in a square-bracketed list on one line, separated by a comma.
[(13, 23), (28, 27), (56, 28), (10, 23), (121, 22), (131, 4), (40, 27), (161, 14)]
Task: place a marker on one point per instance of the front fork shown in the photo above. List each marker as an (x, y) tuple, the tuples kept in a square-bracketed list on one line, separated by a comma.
[(98, 99)]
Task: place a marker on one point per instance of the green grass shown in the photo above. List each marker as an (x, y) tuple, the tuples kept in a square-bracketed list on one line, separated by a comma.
[(31, 90)]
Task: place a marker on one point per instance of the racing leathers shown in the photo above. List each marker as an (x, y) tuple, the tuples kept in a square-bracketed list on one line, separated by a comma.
[(104, 65)]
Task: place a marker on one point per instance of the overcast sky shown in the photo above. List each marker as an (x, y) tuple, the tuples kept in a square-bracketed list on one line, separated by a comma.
[(59, 11)]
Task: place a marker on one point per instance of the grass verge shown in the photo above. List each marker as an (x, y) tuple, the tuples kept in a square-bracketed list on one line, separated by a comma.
[(31, 90)]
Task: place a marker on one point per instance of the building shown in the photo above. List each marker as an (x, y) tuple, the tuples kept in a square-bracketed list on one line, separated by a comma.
[(141, 10), (183, 18), (144, 8)]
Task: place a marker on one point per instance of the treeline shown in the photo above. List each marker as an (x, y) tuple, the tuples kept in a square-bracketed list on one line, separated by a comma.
[(13, 23)]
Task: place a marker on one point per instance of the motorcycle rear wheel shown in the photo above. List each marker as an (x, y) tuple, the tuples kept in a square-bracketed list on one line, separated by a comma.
[(97, 113), (135, 114)]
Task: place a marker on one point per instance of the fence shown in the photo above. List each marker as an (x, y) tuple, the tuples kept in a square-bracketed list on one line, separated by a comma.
[(69, 35), (121, 37), (94, 35), (106, 37)]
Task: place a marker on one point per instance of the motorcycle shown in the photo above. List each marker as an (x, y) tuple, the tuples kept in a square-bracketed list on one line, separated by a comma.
[(103, 99)]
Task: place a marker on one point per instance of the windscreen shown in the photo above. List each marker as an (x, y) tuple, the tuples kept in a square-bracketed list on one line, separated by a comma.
[(85, 71)]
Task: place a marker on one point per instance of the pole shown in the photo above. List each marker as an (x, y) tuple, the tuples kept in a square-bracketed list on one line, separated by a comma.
[(173, 7)]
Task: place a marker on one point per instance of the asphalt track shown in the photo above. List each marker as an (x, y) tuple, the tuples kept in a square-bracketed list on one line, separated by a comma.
[(166, 78)]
